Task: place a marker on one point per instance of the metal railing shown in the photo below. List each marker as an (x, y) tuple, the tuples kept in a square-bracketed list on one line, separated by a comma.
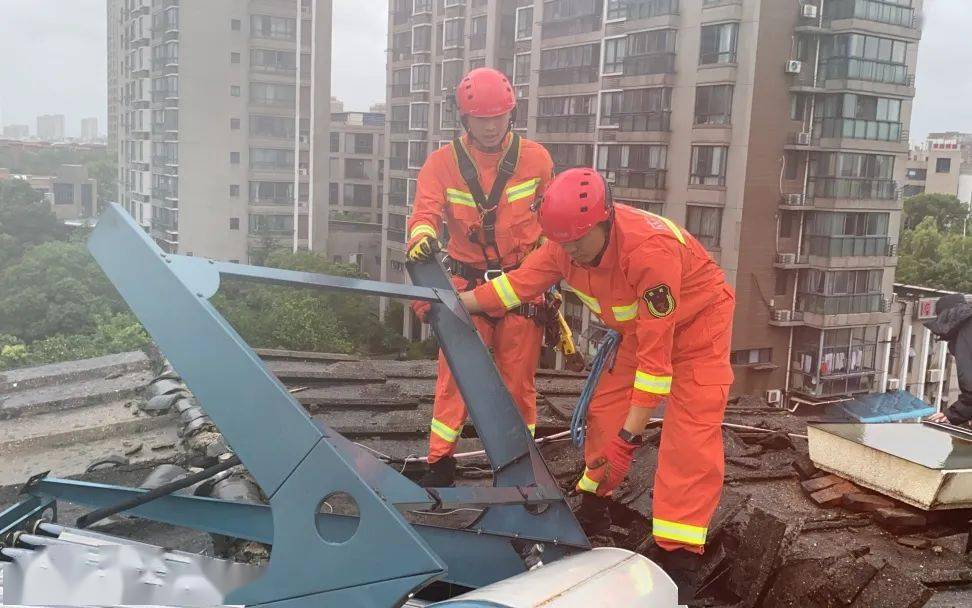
[(571, 75), (848, 246), (652, 63), (568, 26), (846, 304), (872, 10), (853, 128), (871, 70), (641, 9), (648, 179), (639, 121)]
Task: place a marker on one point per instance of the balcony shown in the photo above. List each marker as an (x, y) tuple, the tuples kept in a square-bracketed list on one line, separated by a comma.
[(796, 201), (638, 121), (397, 164), (645, 179), (828, 386), (570, 75), (577, 123), (570, 26), (398, 126), (852, 128), (852, 68), (784, 317), (641, 9), (846, 304), (791, 261), (400, 90), (849, 246), (652, 63), (855, 188), (873, 10)]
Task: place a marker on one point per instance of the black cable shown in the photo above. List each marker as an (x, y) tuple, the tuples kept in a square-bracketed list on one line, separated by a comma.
[(97, 515)]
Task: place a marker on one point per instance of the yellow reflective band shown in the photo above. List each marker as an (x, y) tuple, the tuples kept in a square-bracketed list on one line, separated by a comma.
[(586, 484), (671, 226), (442, 430), (505, 291), (588, 301), (656, 385), (533, 429), (458, 197), (422, 229), (523, 190), (625, 313), (683, 533)]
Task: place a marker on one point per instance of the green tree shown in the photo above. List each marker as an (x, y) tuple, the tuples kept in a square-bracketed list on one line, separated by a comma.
[(948, 211), (26, 219), (932, 258), (105, 171)]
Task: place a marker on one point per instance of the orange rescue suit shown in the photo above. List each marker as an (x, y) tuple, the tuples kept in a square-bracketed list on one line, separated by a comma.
[(658, 287), (442, 196)]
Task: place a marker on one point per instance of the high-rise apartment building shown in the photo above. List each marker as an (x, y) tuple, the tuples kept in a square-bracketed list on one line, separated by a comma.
[(16, 131), (50, 127), (221, 103), (89, 129), (774, 131)]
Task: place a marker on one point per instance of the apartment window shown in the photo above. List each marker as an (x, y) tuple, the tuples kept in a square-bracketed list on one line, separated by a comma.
[(477, 62), (234, 158), (800, 106), (451, 74), (421, 77), (861, 117), (63, 194), (234, 190), (522, 113), (570, 65), (398, 155), (637, 109), (234, 57), (840, 292), (862, 57), (916, 174), (272, 193), (633, 166), (277, 127), (272, 158), (524, 23), (453, 31), (234, 222), (418, 116), (357, 168), (477, 35), (752, 356), (269, 224), (236, 25), (417, 151), (273, 61), (401, 46), (643, 53), (234, 124), (278, 28), (448, 117), (640, 9), (422, 6), (713, 104), (335, 143), (333, 198), (719, 43), (708, 166), (272, 94), (521, 68), (782, 283), (614, 55), (846, 234), (401, 83), (571, 114), (705, 224), (360, 143), (943, 165), (894, 12), (357, 195), (422, 38), (235, 90)]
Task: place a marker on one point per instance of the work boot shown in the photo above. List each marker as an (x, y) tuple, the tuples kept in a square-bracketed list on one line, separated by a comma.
[(441, 474), (594, 516), (682, 566)]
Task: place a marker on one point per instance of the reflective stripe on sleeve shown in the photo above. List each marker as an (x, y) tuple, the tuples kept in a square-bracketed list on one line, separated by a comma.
[(444, 431), (656, 385), (458, 197), (586, 484), (527, 188), (422, 229), (682, 533), (505, 291), (625, 313)]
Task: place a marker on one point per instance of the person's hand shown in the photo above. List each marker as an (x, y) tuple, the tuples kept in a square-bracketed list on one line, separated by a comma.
[(422, 247), (610, 469), (938, 417), (421, 309)]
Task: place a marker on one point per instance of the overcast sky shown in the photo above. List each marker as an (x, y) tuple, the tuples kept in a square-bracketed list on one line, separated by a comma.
[(54, 61)]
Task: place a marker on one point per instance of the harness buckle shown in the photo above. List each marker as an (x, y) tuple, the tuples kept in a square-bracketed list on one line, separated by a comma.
[(493, 273)]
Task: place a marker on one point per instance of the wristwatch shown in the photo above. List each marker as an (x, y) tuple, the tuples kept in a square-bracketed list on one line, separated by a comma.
[(631, 438)]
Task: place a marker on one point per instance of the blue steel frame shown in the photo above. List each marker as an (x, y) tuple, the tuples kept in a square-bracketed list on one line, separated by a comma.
[(298, 462)]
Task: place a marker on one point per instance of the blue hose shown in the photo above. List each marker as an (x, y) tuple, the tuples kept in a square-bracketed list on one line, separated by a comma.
[(603, 359)]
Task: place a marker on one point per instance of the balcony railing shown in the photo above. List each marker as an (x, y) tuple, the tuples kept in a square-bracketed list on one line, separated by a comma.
[(400, 90), (872, 10), (641, 9), (848, 246), (648, 179), (867, 69), (572, 75), (652, 63), (568, 26), (852, 188), (639, 121), (578, 123), (853, 128), (839, 304)]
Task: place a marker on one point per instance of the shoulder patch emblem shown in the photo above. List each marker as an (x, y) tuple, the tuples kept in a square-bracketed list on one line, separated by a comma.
[(660, 301)]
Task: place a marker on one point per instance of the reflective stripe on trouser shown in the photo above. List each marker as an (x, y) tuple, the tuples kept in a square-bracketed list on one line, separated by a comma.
[(516, 350), (688, 480)]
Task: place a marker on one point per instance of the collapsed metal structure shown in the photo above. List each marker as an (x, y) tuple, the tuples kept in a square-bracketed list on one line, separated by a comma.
[(378, 558)]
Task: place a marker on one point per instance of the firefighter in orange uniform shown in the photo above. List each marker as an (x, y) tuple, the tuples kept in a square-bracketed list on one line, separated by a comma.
[(482, 187), (652, 282)]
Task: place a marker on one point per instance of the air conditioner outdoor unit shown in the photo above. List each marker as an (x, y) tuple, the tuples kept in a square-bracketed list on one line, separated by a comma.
[(794, 200), (305, 139), (894, 384), (786, 258), (808, 11), (886, 304), (935, 375), (774, 396), (892, 250), (793, 66), (302, 171), (782, 315), (803, 138)]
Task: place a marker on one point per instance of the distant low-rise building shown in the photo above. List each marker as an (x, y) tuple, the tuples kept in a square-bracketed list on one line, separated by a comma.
[(940, 166), (16, 131), (72, 194)]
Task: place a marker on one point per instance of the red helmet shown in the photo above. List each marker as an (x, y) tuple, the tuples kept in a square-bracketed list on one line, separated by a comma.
[(484, 93), (574, 202)]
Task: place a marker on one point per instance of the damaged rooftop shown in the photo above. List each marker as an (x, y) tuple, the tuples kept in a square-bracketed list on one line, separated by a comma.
[(786, 533)]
